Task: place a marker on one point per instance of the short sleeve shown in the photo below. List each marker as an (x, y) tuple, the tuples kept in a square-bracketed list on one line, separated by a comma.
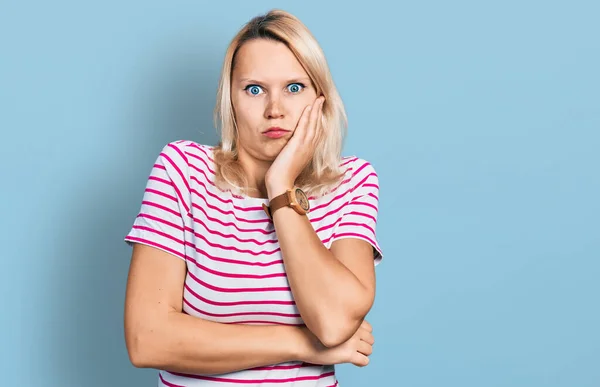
[(160, 222), (359, 214)]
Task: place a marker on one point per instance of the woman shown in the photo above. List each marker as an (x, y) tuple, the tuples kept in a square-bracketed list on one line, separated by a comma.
[(253, 261)]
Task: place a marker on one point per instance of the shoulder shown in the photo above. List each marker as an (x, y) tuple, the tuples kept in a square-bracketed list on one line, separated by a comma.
[(358, 171), (187, 152)]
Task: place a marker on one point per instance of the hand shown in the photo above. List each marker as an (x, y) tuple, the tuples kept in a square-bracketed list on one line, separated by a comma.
[(298, 152), (356, 350)]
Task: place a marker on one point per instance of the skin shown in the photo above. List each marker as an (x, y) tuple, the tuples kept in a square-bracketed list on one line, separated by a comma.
[(157, 332), (265, 94), (267, 91)]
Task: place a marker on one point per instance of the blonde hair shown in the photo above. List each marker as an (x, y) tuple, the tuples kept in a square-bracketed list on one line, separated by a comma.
[(324, 170)]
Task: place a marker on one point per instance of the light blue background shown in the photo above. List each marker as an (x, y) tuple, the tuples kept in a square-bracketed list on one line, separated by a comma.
[(482, 120)]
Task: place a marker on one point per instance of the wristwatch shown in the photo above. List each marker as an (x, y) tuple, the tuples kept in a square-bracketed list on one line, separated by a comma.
[(295, 198)]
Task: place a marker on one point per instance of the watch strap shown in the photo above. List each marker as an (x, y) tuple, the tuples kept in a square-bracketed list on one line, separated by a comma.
[(276, 203)]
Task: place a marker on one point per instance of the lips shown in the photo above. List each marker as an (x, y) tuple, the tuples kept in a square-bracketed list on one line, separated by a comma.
[(275, 129), (275, 132)]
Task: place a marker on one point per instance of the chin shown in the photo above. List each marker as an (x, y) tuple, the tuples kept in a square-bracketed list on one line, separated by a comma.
[(272, 150)]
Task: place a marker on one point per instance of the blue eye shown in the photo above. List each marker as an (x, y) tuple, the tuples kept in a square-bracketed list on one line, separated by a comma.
[(254, 89), (295, 87)]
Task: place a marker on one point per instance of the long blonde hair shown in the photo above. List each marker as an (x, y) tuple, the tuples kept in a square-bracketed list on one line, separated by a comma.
[(324, 170)]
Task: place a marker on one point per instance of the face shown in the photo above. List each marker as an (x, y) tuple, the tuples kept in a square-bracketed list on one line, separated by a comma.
[(269, 88)]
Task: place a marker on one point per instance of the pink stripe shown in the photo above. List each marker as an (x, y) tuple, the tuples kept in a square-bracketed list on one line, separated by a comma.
[(344, 181), (167, 182), (361, 214), (372, 186), (233, 248), (253, 209), (363, 204), (167, 383), (231, 224), (333, 190), (233, 236), (157, 219), (236, 303), (350, 190), (232, 275), (204, 173), (167, 209), (335, 211), (203, 151), (264, 322), (358, 225), (351, 234), (328, 226), (265, 220), (182, 178), (183, 157), (224, 201), (151, 243), (272, 368), (348, 160), (156, 192), (158, 166), (163, 234), (201, 159), (239, 313), (252, 381), (234, 261), (237, 290), (284, 367)]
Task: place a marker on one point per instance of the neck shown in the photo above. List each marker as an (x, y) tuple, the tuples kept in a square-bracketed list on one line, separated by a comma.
[(256, 171)]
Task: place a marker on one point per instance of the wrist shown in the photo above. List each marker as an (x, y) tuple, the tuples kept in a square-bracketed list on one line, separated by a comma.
[(300, 344), (276, 189)]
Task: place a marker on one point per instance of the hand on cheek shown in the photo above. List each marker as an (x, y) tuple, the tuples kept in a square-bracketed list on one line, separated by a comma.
[(298, 152)]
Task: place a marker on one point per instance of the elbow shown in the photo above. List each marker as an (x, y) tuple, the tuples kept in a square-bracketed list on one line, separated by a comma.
[(142, 349), (335, 329), (336, 332), (334, 339), (136, 351)]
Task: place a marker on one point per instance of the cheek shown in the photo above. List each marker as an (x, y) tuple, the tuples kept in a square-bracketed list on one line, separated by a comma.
[(247, 112), (299, 105)]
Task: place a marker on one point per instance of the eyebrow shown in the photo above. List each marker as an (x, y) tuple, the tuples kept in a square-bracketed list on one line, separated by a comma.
[(291, 80)]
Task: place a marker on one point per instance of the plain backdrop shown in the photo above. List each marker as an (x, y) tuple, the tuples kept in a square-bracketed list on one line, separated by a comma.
[(481, 118)]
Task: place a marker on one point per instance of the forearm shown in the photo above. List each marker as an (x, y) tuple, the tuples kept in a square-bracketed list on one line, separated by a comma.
[(183, 343), (330, 298)]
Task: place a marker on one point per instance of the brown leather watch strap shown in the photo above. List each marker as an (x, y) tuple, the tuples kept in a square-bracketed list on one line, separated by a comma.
[(279, 201), (276, 203)]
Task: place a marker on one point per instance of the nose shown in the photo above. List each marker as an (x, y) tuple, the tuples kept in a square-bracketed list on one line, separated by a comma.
[(274, 108)]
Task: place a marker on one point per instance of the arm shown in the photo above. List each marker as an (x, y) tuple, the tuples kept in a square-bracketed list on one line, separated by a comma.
[(159, 335), (333, 289)]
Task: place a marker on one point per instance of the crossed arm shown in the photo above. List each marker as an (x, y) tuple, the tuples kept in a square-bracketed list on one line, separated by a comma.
[(333, 289)]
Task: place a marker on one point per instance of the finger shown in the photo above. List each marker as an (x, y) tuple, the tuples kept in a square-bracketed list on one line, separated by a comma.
[(367, 337), (319, 129), (303, 122), (364, 348), (360, 360), (314, 116), (365, 324)]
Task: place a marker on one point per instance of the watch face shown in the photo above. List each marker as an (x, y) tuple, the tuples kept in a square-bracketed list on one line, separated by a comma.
[(302, 199)]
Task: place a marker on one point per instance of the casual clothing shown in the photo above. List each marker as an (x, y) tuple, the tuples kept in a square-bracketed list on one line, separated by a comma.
[(235, 271)]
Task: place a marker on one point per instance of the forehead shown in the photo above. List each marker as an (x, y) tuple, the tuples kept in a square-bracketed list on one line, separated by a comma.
[(266, 60)]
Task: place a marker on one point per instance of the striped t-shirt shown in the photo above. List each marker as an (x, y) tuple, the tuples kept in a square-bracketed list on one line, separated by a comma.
[(235, 272)]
